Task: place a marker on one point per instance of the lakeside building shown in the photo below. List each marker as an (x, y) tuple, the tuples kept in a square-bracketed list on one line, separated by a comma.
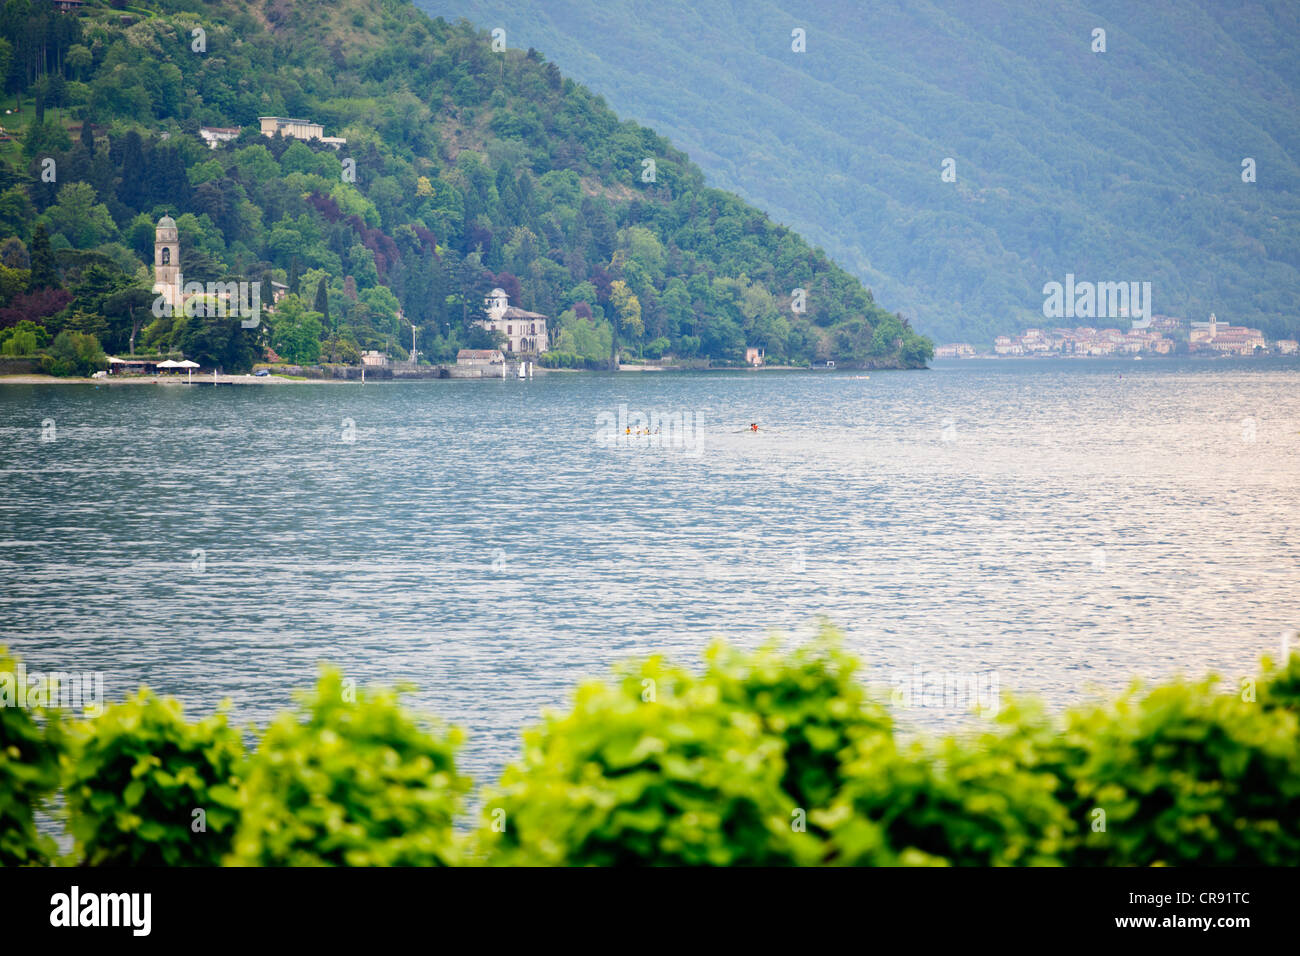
[(214, 135), (374, 358), (298, 129), (755, 356), (485, 359), (1287, 346), (1226, 339), (525, 331), (955, 350), (133, 365)]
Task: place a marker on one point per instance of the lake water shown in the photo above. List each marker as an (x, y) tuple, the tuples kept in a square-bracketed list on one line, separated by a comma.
[(1062, 525)]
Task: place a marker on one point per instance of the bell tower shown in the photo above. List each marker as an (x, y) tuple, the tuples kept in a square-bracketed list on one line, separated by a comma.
[(496, 303), (167, 262)]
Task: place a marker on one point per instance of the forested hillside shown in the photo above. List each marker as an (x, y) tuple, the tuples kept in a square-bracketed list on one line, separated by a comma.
[(464, 168), (1117, 166)]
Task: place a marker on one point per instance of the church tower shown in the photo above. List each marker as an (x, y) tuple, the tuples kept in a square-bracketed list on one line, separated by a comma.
[(167, 262), (496, 303)]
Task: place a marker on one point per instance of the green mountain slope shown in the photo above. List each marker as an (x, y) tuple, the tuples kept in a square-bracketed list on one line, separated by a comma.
[(464, 168), (1122, 165)]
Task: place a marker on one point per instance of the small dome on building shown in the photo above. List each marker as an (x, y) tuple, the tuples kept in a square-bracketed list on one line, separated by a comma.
[(166, 222)]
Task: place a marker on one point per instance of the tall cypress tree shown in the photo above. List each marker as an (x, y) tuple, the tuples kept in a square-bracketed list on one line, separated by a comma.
[(294, 278), (134, 189), (44, 273), (323, 303)]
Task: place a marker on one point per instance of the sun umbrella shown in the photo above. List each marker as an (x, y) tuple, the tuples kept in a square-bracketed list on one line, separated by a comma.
[(189, 369)]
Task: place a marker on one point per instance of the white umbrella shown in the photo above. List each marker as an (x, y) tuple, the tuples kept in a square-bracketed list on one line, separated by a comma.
[(167, 364), (189, 367)]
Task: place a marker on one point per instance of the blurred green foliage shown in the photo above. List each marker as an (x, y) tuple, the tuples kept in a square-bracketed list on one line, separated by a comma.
[(765, 757), (29, 773), (961, 802), (662, 768), (145, 787), (350, 780), (1180, 774)]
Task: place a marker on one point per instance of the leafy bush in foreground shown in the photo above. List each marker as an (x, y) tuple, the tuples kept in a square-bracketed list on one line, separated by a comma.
[(1182, 774), (652, 770), (349, 784), (809, 700), (764, 758), (669, 769), (948, 802), (28, 773), (145, 787)]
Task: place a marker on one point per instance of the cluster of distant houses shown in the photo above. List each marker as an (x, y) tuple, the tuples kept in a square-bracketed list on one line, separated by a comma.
[(1156, 338)]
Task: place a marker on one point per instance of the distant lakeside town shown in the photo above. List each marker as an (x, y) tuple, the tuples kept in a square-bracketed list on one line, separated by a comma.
[(1162, 335)]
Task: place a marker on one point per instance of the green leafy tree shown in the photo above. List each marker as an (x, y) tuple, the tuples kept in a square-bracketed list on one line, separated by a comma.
[(23, 339), (76, 353), (79, 217), (296, 331)]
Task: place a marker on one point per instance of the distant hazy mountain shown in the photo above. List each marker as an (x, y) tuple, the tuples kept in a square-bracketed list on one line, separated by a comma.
[(1115, 166)]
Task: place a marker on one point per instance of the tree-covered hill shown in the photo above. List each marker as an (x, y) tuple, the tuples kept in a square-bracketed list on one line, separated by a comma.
[(465, 167), (1115, 166)]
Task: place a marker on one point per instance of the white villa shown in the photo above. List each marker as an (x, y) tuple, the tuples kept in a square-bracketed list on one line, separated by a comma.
[(212, 135), (525, 331)]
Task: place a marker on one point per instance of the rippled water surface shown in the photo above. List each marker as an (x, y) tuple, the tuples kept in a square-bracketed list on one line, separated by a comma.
[(1065, 525)]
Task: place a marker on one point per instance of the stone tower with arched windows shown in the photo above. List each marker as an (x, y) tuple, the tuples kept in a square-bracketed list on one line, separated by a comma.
[(167, 262)]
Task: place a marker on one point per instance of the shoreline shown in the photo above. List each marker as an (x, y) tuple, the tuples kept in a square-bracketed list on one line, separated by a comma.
[(27, 378)]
